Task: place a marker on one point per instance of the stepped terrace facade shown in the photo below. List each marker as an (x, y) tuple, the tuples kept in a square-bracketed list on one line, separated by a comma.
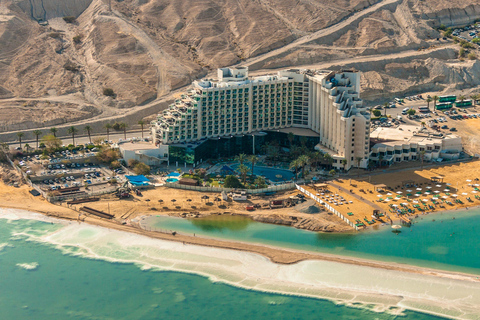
[(323, 105)]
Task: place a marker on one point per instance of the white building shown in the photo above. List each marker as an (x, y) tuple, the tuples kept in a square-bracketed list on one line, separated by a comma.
[(407, 143), (326, 102), (143, 152)]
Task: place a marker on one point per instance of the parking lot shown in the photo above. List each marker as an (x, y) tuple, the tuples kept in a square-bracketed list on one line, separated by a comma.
[(68, 170)]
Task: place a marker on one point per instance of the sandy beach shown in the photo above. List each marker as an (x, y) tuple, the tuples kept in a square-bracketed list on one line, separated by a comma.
[(20, 198)]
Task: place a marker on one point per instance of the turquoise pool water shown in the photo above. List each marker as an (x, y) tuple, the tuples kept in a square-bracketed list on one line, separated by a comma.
[(48, 281), (272, 174), (171, 180), (447, 241)]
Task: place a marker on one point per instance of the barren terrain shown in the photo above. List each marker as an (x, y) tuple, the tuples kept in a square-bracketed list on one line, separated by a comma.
[(144, 49)]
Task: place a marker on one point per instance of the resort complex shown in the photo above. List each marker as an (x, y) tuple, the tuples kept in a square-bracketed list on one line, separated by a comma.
[(238, 114)]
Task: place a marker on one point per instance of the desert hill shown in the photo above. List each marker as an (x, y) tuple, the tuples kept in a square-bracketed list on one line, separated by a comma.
[(144, 49)]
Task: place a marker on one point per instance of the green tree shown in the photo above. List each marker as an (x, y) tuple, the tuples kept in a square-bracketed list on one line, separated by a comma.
[(461, 98), (108, 126), (411, 112), (232, 182), (377, 113), (253, 160), (260, 182), (315, 157), (37, 134), (243, 169), (107, 155), (20, 135), (51, 142), (88, 129), (344, 162), (423, 124), (123, 126), (241, 158), (141, 123), (474, 98), (54, 131), (332, 172), (73, 131)]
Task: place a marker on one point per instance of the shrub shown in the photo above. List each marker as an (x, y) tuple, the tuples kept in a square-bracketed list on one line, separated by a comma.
[(461, 53), (70, 66), (107, 155), (132, 163), (411, 112), (232, 182), (77, 39), (69, 19), (108, 92), (141, 168), (377, 113), (115, 164), (55, 35), (472, 56)]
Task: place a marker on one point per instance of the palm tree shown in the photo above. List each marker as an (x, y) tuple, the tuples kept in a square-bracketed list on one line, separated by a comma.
[(428, 102), (5, 147), (20, 135), (328, 158), (141, 123), (290, 138), (108, 126), (241, 158), (243, 169), (72, 130), (54, 131), (315, 157), (88, 129), (303, 161), (253, 159), (461, 98), (123, 126), (474, 97), (358, 159), (385, 106), (422, 157), (294, 165), (435, 99), (274, 153), (37, 133), (27, 147), (423, 124), (344, 162)]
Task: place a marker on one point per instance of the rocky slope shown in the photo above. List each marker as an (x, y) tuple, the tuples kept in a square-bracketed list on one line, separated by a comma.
[(144, 49)]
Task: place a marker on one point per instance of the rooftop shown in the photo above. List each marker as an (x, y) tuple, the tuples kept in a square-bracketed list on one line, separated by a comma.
[(136, 146), (407, 134)]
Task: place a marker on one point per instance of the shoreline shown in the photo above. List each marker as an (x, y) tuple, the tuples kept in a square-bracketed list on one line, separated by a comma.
[(284, 256)]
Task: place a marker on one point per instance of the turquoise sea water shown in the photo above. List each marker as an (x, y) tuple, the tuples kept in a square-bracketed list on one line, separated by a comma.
[(41, 280), (448, 241)]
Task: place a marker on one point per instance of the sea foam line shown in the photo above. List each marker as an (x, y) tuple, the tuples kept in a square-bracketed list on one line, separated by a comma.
[(387, 290)]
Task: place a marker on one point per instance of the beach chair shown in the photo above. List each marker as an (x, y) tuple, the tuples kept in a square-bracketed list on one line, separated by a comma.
[(350, 213)]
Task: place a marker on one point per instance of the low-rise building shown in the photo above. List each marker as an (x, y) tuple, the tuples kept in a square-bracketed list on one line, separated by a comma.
[(407, 143), (144, 152)]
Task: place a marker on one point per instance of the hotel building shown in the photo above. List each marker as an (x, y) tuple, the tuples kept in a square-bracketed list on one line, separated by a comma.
[(235, 113)]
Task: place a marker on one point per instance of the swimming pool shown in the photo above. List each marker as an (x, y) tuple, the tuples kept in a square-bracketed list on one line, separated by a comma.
[(272, 174), (170, 180)]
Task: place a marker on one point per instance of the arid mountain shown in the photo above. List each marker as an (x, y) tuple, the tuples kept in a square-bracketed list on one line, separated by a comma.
[(144, 49)]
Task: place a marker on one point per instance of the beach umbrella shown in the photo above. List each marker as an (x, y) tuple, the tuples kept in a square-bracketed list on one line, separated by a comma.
[(409, 194), (436, 191), (446, 190), (404, 204), (448, 184), (399, 196), (465, 194), (389, 197), (438, 185), (427, 192), (189, 200), (387, 200), (419, 189), (415, 201), (418, 195), (428, 187), (444, 197), (379, 195), (394, 205), (455, 195), (424, 200), (468, 180), (474, 191), (436, 196), (476, 184), (409, 190), (418, 192), (160, 200), (399, 192)]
